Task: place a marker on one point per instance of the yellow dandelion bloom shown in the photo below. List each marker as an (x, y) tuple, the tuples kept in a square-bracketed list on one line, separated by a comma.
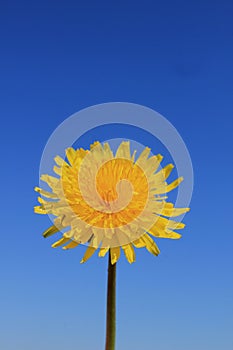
[(110, 201)]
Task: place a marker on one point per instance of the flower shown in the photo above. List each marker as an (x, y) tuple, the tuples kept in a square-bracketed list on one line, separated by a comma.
[(110, 202)]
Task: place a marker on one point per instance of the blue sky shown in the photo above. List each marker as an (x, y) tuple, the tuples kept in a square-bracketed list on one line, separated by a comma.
[(174, 57)]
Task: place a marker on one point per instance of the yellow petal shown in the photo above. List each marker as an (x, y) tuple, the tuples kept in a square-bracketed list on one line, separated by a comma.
[(150, 245), (163, 174), (168, 188), (50, 180), (170, 211), (159, 158), (46, 205), (139, 243), (94, 144), (71, 155), (115, 254), (57, 170), (167, 170), (143, 156), (59, 161), (50, 231), (174, 184), (169, 224), (103, 252), (42, 200), (163, 233), (108, 151), (71, 245), (123, 150), (129, 252), (151, 165), (39, 210), (133, 156), (45, 193), (89, 252), (60, 242)]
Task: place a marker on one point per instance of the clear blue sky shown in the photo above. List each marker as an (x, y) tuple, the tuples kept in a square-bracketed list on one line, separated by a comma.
[(58, 57)]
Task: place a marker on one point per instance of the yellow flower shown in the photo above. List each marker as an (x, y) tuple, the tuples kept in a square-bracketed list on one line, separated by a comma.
[(108, 201)]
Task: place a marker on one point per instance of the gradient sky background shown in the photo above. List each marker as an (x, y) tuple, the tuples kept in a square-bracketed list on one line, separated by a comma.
[(58, 57)]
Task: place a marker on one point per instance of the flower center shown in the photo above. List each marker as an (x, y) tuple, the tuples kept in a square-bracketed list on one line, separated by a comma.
[(113, 195)]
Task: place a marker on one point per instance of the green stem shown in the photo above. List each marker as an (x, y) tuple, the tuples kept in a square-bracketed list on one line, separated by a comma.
[(111, 306)]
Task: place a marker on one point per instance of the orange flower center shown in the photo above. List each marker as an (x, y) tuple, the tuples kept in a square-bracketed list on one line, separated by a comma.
[(112, 196)]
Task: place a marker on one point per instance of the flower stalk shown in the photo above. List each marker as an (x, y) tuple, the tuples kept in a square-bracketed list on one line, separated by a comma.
[(111, 306)]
